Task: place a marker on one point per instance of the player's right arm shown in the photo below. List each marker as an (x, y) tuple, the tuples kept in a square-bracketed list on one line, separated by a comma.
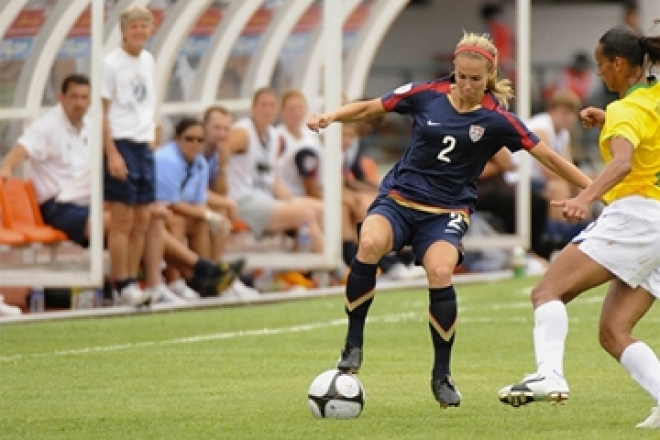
[(14, 158), (352, 112), (592, 117)]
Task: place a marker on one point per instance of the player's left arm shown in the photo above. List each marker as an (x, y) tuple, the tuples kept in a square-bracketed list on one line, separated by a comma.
[(559, 165), (614, 172)]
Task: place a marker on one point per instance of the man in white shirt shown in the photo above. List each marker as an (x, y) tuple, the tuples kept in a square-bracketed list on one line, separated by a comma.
[(57, 145)]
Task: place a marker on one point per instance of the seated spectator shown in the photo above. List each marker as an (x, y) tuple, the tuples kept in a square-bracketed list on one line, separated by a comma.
[(299, 164), (56, 146), (497, 197), (263, 201), (300, 159), (217, 123), (181, 183), (554, 128)]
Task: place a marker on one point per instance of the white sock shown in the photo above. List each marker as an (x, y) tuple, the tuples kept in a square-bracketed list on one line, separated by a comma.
[(643, 365), (550, 331)]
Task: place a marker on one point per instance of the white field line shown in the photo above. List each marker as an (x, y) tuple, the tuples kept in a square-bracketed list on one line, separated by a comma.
[(388, 319)]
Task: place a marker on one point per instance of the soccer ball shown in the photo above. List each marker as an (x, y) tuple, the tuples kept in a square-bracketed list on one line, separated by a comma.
[(334, 394)]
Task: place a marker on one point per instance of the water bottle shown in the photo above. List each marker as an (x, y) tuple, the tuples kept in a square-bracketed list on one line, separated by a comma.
[(304, 238), (76, 293), (37, 299), (518, 261)]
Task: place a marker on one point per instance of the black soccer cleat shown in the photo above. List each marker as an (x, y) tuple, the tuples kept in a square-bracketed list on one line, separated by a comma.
[(350, 359), (445, 392)]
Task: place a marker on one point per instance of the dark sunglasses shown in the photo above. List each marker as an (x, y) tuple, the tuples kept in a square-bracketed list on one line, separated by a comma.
[(200, 140)]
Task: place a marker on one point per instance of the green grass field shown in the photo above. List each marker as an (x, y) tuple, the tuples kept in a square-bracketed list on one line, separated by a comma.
[(236, 373)]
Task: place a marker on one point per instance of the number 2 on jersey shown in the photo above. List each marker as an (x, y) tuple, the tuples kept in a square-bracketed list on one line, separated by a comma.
[(450, 142)]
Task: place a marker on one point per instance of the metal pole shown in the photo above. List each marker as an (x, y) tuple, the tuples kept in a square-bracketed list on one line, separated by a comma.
[(332, 31), (96, 142), (523, 63)]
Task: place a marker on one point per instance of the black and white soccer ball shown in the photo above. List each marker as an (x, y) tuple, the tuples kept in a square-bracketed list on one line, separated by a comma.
[(335, 394)]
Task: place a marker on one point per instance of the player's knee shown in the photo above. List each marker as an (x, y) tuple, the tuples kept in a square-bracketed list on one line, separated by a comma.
[(371, 247), (440, 275), (541, 295), (610, 339)]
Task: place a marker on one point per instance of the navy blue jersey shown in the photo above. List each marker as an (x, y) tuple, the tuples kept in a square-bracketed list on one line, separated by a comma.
[(448, 150)]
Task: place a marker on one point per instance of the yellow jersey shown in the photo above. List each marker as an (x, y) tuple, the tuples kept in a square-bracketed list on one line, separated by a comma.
[(636, 117)]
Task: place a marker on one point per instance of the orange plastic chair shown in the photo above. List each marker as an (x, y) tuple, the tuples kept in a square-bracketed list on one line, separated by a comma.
[(7, 236), (11, 238), (20, 213)]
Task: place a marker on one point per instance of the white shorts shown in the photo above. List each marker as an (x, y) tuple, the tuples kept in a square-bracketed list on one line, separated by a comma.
[(625, 239), (255, 210)]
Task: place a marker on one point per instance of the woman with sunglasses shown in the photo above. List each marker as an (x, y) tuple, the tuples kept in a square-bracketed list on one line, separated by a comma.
[(181, 182)]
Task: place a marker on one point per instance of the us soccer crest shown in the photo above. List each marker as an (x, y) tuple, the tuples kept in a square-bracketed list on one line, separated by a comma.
[(476, 132)]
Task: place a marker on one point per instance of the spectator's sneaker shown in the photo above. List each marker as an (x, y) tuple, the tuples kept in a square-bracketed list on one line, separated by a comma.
[(132, 295), (240, 291), (401, 272), (652, 421), (7, 310), (182, 291), (350, 359), (154, 293), (170, 297), (535, 387), (445, 392)]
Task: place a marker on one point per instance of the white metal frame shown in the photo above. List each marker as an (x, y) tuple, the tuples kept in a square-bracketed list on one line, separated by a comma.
[(30, 87), (307, 77), (213, 63), (261, 68), (170, 37), (8, 13), (361, 57)]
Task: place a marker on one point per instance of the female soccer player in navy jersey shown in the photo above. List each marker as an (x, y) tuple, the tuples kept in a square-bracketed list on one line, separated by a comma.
[(425, 200)]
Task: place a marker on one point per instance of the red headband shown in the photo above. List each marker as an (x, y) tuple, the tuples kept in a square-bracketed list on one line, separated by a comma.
[(481, 51)]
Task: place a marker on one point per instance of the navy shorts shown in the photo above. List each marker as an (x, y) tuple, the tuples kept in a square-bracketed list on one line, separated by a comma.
[(68, 218), (420, 229), (140, 186)]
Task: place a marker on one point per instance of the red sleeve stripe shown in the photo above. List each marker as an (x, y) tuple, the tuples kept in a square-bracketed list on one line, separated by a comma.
[(527, 141), (441, 86)]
